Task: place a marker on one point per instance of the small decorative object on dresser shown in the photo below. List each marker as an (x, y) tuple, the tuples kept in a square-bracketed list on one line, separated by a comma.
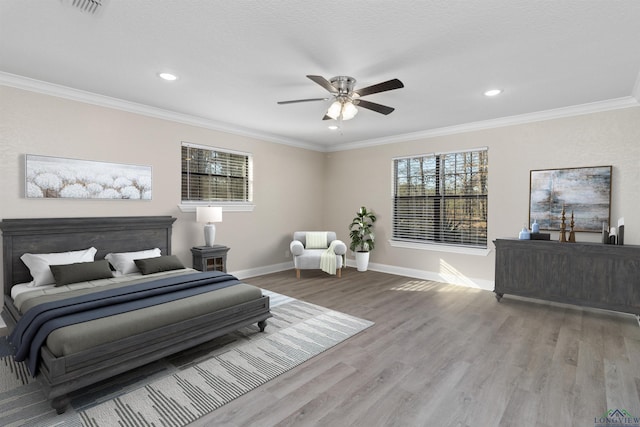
[(535, 227), (621, 231), (563, 226), (536, 234), (605, 233), (210, 258), (613, 236), (540, 236), (572, 233)]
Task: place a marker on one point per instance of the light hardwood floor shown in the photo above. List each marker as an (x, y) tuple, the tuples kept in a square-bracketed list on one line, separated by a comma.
[(445, 355)]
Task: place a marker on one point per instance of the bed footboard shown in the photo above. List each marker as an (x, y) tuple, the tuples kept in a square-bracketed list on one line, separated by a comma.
[(62, 375)]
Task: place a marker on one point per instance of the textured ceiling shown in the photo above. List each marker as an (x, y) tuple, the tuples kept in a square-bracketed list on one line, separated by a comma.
[(236, 59)]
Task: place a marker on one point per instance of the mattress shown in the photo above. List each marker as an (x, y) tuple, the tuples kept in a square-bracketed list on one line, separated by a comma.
[(27, 292), (33, 291)]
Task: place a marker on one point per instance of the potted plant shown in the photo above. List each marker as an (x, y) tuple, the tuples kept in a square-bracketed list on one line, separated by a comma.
[(362, 237)]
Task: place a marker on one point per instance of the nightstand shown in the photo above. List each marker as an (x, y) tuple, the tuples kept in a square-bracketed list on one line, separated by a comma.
[(210, 258)]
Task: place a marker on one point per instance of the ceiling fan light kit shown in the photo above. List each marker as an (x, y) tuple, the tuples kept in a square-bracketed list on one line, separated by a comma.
[(344, 110), (349, 111), (335, 110), (345, 97)]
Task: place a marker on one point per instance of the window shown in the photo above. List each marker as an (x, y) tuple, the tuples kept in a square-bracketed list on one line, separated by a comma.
[(441, 198), (211, 174)]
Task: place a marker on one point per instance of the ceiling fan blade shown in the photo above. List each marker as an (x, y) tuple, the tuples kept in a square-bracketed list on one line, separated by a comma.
[(326, 117), (378, 108), (302, 100), (324, 83), (380, 87)]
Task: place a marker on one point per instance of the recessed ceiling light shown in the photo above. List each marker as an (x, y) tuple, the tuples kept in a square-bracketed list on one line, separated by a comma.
[(333, 127), (168, 76), (493, 92)]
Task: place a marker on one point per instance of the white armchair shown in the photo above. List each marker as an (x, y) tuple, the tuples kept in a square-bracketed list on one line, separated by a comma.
[(313, 250)]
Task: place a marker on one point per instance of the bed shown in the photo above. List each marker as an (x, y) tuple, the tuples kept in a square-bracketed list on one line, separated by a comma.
[(63, 364)]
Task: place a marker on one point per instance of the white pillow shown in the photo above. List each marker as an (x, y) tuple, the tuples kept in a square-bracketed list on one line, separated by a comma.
[(38, 264), (123, 261), (316, 240)]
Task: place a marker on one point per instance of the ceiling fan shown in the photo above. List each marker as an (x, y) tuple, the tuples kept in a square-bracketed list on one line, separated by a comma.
[(346, 98)]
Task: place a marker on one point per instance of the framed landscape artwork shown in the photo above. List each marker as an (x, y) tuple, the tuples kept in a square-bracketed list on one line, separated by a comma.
[(59, 178), (585, 192)]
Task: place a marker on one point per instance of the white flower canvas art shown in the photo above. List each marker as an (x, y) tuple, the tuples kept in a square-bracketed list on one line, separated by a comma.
[(56, 177)]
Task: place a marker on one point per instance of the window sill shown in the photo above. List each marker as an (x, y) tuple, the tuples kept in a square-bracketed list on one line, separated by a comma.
[(440, 248), (226, 206)]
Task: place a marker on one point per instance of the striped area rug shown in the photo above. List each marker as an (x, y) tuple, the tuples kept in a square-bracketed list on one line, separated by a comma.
[(180, 389)]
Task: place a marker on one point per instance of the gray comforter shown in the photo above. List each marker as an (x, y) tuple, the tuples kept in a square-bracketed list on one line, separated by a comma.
[(78, 331)]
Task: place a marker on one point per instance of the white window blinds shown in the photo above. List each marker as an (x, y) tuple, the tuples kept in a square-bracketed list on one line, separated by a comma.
[(211, 174), (441, 198)]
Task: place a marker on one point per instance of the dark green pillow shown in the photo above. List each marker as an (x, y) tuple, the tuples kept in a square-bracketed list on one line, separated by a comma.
[(80, 272), (158, 264)]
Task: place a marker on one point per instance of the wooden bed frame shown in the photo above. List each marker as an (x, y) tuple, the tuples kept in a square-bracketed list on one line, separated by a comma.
[(62, 375)]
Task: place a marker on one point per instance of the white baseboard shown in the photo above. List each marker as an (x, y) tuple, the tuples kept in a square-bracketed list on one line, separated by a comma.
[(452, 279), (382, 268), (259, 271)]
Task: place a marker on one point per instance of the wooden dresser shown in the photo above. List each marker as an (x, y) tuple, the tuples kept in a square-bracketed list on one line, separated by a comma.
[(584, 274)]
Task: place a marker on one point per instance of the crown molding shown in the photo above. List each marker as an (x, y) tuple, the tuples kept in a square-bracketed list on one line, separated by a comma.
[(574, 110), (66, 92)]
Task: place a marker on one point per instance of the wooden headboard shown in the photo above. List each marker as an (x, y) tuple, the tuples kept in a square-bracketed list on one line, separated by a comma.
[(106, 234)]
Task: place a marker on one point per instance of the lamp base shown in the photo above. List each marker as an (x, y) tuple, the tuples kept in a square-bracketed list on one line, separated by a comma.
[(209, 234)]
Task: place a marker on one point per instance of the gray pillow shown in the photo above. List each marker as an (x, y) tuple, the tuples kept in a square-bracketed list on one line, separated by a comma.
[(158, 264), (80, 272)]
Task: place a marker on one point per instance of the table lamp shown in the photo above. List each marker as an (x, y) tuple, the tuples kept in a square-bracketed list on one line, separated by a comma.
[(209, 215)]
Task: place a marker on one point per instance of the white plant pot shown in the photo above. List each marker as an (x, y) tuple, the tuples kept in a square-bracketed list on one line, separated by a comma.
[(362, 261)]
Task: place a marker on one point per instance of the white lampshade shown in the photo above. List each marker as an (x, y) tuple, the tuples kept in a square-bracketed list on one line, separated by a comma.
[(345, 109), (335, 110), (209, 214), (349, 111)]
